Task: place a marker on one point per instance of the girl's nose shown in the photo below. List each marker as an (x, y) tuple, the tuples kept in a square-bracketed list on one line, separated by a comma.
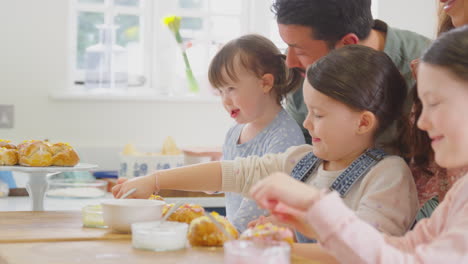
[(422, 121), (291, 59), (307, 124)]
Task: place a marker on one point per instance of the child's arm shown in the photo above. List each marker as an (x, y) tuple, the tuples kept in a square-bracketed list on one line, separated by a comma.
[(200, 177), (233, 176), (241, 174), (354, 241)]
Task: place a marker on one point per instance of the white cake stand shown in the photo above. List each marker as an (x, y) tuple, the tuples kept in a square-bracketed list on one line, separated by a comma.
[(37, 184)]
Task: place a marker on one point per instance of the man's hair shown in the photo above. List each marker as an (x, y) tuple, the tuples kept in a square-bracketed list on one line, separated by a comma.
[(330, 20)]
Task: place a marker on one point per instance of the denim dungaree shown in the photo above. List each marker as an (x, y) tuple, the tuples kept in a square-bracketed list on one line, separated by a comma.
[(342, 183)]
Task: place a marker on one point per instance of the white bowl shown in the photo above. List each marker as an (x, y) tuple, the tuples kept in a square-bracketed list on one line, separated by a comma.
[(119, 214)]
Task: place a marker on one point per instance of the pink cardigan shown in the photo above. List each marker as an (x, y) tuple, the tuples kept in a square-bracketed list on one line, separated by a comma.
[(441, 239)]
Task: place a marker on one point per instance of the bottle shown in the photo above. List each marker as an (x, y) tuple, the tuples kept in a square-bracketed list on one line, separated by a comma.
[(106, 62)]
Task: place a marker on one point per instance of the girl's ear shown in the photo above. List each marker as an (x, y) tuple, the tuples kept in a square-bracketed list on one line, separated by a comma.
[(348, 39), (267, 82), (367, 123)]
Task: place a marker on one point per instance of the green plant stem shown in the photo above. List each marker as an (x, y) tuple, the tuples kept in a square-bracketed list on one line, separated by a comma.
[(193, 85), (178, 37)]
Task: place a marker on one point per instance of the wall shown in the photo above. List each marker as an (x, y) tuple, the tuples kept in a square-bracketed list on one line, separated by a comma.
[(415, 15), (33, 63)]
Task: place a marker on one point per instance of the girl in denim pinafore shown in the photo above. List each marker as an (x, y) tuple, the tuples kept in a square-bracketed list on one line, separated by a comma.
[(353, 96)]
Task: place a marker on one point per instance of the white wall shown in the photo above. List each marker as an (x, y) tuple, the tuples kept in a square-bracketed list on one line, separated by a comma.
[(33, 63), (415, 15)]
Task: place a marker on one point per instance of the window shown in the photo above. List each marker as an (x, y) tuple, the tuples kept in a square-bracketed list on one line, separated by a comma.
[(115, 25), (144, 49)]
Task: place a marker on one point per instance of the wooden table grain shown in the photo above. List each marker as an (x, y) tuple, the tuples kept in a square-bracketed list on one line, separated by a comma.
[(107, 252), (43, 226), (47, 237)]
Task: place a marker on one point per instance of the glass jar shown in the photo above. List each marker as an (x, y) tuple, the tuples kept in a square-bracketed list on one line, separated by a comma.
[(92, 216), (257, 252), (159, 236)]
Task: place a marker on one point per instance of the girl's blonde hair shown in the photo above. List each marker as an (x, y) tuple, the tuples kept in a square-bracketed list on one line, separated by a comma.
[(257, 55)]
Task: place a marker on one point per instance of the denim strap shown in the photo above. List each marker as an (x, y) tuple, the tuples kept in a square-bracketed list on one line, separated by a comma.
[(305, 167), (356, 170), (343, 183)]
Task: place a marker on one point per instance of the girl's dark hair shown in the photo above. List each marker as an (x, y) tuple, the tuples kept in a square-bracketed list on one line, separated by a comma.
[(450, 51), (420, 151), (258, 55), (363, 79), (330, 20)]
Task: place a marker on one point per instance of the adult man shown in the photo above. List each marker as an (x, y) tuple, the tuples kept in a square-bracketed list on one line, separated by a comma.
[(312, 28)]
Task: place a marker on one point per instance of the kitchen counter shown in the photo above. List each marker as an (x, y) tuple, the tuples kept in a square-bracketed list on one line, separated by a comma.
[(22, 203)]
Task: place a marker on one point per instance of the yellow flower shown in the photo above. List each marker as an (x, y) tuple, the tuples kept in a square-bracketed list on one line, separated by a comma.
[(173, 22)]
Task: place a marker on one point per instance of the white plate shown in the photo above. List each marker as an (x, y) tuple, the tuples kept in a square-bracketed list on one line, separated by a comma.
[(50, 169)]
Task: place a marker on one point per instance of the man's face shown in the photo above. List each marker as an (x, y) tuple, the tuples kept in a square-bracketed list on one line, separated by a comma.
[(303, 50)]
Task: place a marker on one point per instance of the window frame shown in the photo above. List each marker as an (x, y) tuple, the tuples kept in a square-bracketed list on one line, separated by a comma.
[(254, 18), (109, 12)]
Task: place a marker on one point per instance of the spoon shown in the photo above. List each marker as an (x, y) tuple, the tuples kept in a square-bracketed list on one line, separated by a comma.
[(128, 193), (219, 226)]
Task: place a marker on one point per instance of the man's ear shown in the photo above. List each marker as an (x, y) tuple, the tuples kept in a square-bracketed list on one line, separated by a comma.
[(348, 39), (267, 82), (367, 123)]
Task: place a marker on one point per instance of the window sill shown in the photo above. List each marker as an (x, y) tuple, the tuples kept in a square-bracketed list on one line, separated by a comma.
[(140, 96)]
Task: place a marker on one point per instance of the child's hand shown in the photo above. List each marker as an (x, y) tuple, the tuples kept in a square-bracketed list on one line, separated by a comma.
[(146, 185), (294, 219), (282, 188), (287, 199), (115, 190)]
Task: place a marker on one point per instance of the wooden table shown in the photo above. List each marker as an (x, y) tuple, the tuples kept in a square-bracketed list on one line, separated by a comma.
[(59, 238), (45, 226)]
